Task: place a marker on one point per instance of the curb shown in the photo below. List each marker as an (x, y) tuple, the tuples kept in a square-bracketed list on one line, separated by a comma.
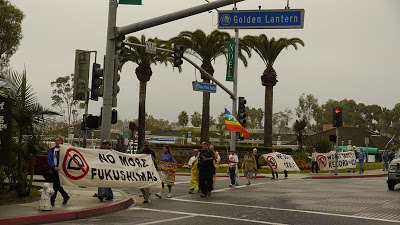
[(218, 175), (348, 176), (65, 216)]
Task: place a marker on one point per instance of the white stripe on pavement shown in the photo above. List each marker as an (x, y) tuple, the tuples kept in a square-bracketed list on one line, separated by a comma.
[(289, 210), (167, 220), (205, 215)]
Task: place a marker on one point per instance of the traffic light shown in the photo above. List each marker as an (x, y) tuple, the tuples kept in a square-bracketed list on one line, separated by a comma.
[(337, 117), (81, 75), (242, 111), (178, 54), (332, 138), (119, 52), (97, 82), (114, 116), (90, 121)]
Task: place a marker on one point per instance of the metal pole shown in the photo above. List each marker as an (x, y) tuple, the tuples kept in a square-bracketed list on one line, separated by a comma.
[(84, 126), (108, 73), (173, 16), (235, 79), (336, 152), (367, 154)]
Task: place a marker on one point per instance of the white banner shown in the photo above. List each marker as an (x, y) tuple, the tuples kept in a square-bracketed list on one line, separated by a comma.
[(106, 168), (326, 161), (281, 162)]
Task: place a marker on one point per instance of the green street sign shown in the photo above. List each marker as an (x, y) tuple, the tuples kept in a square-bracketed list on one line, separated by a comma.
[(230, 67), (130, 2), (125, 134)]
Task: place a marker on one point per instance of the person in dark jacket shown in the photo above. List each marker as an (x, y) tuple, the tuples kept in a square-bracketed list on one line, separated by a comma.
[(53, 159), (105, 193), (206, 170)]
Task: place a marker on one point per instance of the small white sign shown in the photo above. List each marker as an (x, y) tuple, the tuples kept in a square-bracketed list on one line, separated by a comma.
[(151, 47), (189, 140)]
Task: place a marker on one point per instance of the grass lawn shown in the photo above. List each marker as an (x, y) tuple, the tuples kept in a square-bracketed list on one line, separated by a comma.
[(371, 166), (10, 197)]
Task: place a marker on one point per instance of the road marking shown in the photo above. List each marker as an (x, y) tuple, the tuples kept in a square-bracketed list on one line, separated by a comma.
[(236, 187), (186, 182), (205, 215), (167, 220), (289, 210)]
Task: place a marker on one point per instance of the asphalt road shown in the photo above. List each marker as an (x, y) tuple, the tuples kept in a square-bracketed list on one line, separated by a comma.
[(266, 201)]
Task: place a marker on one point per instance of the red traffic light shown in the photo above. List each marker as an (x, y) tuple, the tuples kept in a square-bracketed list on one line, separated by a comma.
[(337, 111)]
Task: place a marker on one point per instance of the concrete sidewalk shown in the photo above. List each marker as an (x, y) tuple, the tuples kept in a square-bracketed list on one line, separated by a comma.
[(80, 205)]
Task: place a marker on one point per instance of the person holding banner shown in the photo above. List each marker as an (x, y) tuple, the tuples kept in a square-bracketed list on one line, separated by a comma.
[(361, 158), (216, 162), (146, 191), (249, 165), (53, 159), (233, 161), (314, 162), (274, 173), (194, 171), (256, 157), (166, 157), (206, 170), (354, 168), (106, 193)]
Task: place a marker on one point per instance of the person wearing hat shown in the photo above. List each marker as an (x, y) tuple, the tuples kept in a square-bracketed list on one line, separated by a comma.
[(233, 162), (257, 165), (105, 193), (147, 148)]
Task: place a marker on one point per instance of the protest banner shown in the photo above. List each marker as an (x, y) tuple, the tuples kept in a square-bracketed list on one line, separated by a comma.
[(281, 162), (326, 161), (167, 171), (106, 168)]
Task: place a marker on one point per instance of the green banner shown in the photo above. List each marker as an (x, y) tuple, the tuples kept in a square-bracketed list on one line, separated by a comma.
[(230, 67), (130, 2)]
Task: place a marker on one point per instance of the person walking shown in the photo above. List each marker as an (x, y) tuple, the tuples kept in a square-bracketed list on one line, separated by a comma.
[(166, 157), (249, 165), (233, 162), (206, 170), (216, 163), (146, 191), (257, 165), (355, 153), (105, 193), (314, 162), (361, 157), (194, 171), (53, 159), (274, 173), (385, 159)]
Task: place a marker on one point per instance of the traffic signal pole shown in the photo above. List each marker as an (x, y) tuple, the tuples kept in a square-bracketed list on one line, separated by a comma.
[(235, 79), (113, 32), (109, 70)]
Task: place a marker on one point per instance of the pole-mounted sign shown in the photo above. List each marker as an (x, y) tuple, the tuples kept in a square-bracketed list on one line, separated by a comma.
[(261, 19), (230, 67), (5, 129)]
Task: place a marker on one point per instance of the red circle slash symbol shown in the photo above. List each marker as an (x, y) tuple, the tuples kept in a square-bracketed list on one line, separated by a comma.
[(322, 159), (75, 162), (271, 160)]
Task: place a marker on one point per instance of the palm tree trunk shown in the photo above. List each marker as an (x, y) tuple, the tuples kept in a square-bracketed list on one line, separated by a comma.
[(269, 95), (142, 114), (205, 117)]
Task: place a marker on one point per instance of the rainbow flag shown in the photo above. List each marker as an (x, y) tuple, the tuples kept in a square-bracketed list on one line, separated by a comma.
[(232, 124)]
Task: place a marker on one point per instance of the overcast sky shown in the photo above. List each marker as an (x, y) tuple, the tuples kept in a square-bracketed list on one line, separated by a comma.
[(351, 51)]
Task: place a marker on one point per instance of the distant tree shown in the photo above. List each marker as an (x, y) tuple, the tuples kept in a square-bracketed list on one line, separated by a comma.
[(212, 121), (254, 117), (298, 127), (305, 109), (195, 119), (62, 96), (153, 124), (10, 32), (183, 119), (269, 50)]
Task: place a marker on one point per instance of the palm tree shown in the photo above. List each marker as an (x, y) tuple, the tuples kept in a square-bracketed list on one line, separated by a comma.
[(206, 48), (268, 50), (143, 71), (27, 115)]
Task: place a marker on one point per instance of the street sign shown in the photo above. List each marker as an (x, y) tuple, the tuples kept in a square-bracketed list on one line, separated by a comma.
[(230, 66), (130, 2), (206, 87), (5, 129), (189, 140), (261, 19), (151, 47), (366, 141), (125, 134)]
